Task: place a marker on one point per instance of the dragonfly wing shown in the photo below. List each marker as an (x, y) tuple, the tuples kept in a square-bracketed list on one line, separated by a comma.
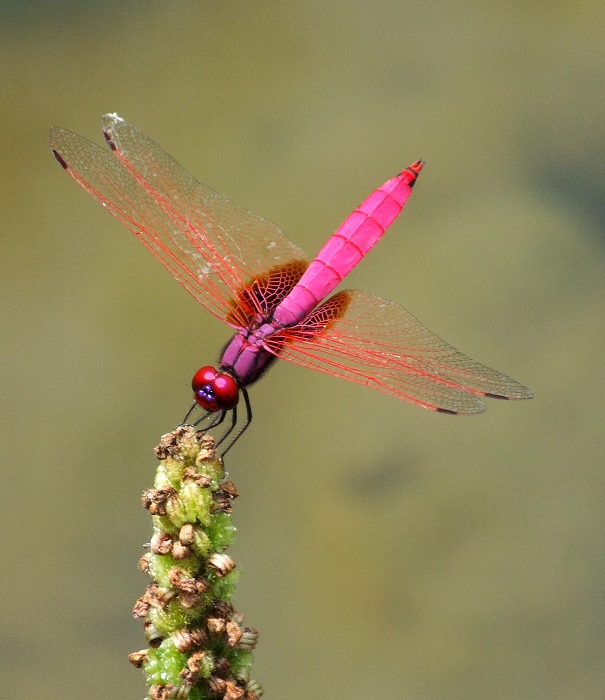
[(377, 343), (249, 242), (210, 245)]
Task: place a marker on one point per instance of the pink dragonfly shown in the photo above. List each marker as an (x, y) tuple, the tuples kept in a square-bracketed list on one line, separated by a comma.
[(247, 273)]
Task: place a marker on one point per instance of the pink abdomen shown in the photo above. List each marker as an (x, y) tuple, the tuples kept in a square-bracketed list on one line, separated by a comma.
[(353, 239)]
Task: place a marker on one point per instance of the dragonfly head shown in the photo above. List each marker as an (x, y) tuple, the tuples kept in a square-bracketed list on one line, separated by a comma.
[(214, 390)]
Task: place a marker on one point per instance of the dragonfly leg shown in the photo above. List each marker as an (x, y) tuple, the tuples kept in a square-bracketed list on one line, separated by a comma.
[(231, 427), (216, 420), (202, 418), (189, 412), (246, 424)]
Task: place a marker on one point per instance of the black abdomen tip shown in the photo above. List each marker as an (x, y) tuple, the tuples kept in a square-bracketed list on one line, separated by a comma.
[(414, 170)]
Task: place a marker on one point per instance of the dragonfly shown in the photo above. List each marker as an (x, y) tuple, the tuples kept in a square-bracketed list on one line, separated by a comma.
[(244, 271)]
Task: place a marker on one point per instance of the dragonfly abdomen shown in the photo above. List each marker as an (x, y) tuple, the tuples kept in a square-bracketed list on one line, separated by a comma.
[(359, 232)]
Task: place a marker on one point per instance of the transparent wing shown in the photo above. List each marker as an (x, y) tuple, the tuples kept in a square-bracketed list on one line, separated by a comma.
[(377, 343), (210, 245)]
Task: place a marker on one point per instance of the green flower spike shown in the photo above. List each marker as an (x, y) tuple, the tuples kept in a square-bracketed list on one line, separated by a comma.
[(198, 646)]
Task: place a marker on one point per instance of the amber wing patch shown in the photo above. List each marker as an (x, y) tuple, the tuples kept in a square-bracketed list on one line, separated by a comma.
[(263, 294)]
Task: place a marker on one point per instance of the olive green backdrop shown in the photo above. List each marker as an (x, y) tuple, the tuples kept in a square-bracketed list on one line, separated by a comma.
[(387, 551)]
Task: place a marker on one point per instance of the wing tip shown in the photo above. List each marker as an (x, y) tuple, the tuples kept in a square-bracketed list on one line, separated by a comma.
[(475, 410), (109, 123), (53, 135), (520, 393), (112, 118)]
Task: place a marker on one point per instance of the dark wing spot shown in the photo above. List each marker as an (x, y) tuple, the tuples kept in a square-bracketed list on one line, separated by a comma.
[(62, 163), (109, 141)]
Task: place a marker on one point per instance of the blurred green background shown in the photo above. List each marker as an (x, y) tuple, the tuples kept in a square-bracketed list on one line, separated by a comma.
[(387, 551)]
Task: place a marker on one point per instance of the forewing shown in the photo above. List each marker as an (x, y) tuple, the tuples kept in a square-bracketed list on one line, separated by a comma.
[(240, 241), (210, 245), (379, 344)]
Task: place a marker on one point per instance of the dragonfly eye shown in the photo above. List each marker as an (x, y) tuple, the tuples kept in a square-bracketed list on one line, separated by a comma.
[(226, 391), (203, 376), (214, 391), (202, 388)]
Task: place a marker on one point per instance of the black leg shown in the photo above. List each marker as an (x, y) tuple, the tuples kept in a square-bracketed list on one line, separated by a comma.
[(189, 412), (217, 419), (230, 429), (202, 418), (246, 424)]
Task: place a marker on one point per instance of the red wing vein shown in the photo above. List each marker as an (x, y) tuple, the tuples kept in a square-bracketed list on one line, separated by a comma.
[(237, 244), (106, 179), (211, 246), (379, 344)]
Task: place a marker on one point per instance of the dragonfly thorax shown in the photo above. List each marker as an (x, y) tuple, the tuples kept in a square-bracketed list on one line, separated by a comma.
[(246, 357), (214, 390)]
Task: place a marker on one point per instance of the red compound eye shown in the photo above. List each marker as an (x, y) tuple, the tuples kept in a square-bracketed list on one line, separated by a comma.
[(214, 391), (202, 388), (226, 391), (202, 377)]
